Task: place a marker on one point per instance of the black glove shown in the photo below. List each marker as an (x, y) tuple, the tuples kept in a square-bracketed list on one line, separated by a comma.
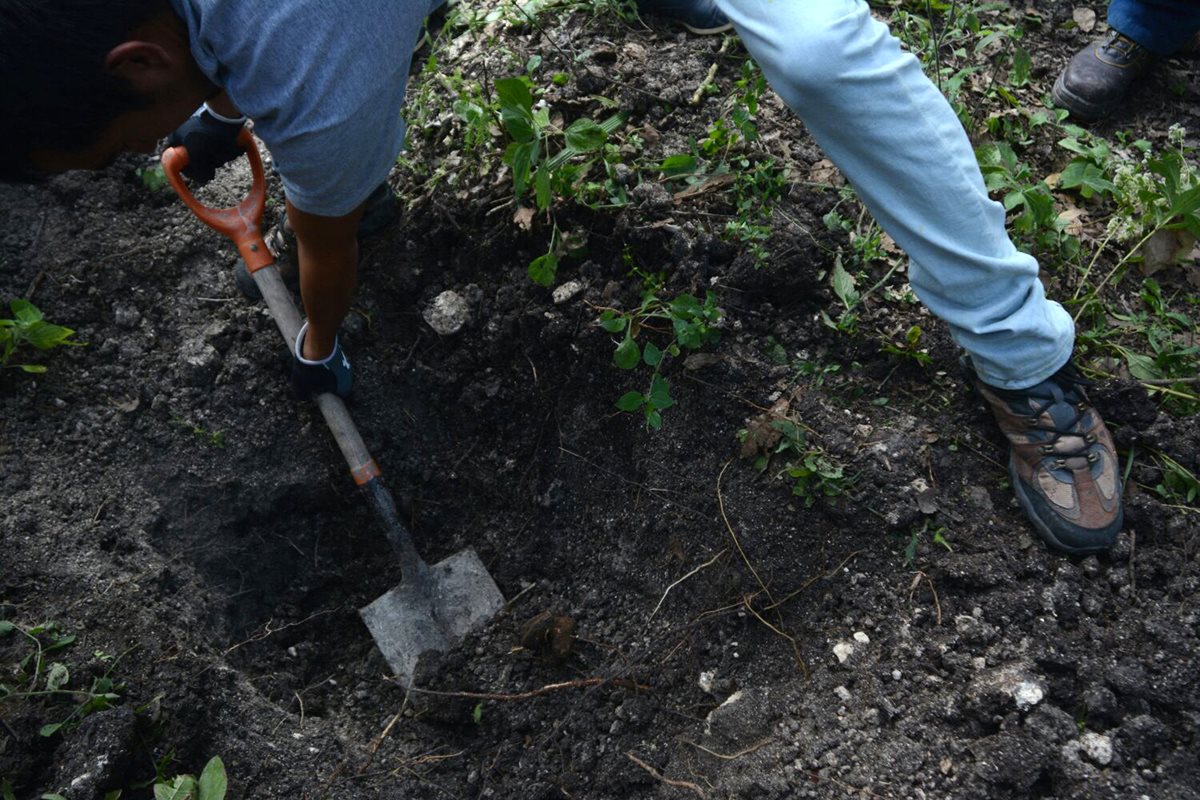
[(331, 374), (210, 142)]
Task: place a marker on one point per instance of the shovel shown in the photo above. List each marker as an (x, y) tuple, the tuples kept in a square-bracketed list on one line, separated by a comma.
[(434, 607)]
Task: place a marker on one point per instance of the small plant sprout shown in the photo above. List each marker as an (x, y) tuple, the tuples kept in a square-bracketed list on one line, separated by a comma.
[(683, 323), (910, 348), (211, 785), (28, 327), (777, 436), (938, 537)]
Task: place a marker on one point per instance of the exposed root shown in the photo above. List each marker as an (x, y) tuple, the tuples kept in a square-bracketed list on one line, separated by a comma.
[(733, 756), (581, 683), (706, 564), (658, 776), (916, 582), (746, 601)]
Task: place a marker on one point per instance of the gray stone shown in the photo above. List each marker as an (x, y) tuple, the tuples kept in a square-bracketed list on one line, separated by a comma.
[(449, 313)]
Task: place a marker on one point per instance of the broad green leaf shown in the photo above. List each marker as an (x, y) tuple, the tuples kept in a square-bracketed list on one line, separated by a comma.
[(1142, 367), (543, 269), (516, 107), (212, 780), (6, 627), (541, 188), (654, 420), (44, 336), (521, 158), (686, 305), (652, 355), (627, 354), (49, 730), (631, 401), (843, 286), (180, 788), (1022, 65), (584, 136), (610, 321), (682, 163), (660, 393), (25, 312), (34, 368)]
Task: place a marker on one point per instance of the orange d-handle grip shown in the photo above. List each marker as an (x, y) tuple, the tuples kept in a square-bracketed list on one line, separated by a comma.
[(243, 222)]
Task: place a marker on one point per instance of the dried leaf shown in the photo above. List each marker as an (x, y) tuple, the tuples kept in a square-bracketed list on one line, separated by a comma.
[(825, 172), (524, 218), (1073, 219), (1165, 248), (761, 435), (1085, 18)]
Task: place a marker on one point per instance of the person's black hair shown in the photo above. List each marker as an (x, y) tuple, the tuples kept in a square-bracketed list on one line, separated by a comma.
[(55, 93)]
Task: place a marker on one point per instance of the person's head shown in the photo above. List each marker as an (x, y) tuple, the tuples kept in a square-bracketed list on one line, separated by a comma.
[(84, 80)]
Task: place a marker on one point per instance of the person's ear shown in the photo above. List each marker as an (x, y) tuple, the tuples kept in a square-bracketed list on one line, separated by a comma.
[(146, 65)]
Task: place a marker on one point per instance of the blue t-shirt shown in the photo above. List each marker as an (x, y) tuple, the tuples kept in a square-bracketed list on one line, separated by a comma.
[(323, 81)]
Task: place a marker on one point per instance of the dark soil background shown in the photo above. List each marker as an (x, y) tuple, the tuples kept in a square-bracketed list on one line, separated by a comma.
[(166, 501)]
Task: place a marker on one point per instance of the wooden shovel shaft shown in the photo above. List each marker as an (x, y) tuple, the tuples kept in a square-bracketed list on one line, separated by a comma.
[(362, 466)]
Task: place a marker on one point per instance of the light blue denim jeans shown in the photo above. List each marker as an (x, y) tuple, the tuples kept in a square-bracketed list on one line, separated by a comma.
[(894, 136)]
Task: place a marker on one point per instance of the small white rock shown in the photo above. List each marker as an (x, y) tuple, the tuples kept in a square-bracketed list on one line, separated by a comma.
[(1097, 747), (843, 693), (706, 680), (843, 651), (861, 637), (897, 675), (1028, 694), (448, 313), (568, 291)]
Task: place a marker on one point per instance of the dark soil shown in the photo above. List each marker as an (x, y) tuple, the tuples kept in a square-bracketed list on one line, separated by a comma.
[(167, 502)]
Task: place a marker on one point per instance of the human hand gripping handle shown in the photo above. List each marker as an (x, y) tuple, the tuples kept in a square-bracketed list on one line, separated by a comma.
[(211, 141)]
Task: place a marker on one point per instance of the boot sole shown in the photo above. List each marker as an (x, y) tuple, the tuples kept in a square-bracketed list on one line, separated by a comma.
[(1080, 109)]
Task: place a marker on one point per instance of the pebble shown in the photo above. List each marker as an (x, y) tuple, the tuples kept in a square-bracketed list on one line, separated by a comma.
[(448, 314), (568, 291), (843, 693), (843, 651), (1097, 747), (862, 637), (1028, 694)]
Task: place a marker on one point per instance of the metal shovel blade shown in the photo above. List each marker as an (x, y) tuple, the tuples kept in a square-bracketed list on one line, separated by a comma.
[(433, 613)]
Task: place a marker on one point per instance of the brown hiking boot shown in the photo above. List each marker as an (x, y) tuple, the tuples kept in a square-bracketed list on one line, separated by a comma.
[(1098, 77), (1062, 461)]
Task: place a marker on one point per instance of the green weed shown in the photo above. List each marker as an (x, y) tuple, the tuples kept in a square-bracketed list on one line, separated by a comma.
[(37, 679), (211, 785), (681, 323), (938, 538), (910, 348), (1033, 217), (812, 472), (29, 327)]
